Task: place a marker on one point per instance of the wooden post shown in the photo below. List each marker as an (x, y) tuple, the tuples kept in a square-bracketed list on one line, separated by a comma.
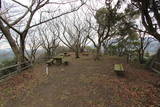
[(47, 70)]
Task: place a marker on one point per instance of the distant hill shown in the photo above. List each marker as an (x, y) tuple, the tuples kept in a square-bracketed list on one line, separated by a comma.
[(6, 54), (153, 47)]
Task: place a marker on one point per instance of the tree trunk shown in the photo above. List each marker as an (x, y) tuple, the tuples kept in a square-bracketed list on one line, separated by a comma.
[(128, 58), (77, 53), (105, 49), (141, 59), (81, 49), (49, 55), (22, 48), (15, 48), (97, 57), (141, 53), (18, 51)]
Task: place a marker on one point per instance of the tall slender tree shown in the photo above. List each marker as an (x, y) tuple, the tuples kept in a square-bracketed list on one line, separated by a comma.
[(108, 20)]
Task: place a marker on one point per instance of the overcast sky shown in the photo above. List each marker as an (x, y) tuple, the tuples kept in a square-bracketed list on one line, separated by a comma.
[(96, 4), (3, 43)]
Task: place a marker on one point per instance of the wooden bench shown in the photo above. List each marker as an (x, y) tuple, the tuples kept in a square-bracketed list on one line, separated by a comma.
[(118, 68), (85, 54), (50, 62), (61, 55), (156, 67), (66, 54), (65, 62), (58, 60)]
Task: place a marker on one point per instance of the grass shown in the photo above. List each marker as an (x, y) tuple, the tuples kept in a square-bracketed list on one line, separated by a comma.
[(8, 91), (1, 103), (87, 82)]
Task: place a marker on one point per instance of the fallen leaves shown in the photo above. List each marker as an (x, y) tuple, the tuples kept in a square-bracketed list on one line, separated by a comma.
[(96, 85)]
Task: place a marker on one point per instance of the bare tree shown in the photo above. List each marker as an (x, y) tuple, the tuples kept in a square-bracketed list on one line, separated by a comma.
[(75, 34), (110, 41), (49, 38), (33, 43), (9, 23), (144, 42)]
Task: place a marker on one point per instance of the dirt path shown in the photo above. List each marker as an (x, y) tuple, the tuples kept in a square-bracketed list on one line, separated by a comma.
[(89, 83)]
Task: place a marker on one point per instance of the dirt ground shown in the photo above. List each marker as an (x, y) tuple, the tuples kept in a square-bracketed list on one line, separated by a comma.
[(83, 83)]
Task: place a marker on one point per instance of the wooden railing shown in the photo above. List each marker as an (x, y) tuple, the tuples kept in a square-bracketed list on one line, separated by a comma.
[(13, 69), (156, 66)]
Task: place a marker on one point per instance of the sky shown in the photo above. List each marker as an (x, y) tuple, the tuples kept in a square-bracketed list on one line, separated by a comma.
[(4, 44), (96, 5)]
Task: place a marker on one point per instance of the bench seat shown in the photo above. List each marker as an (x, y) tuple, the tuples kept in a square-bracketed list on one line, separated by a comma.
[(50, 62), (58, 60), (65, 62), (118, 68)]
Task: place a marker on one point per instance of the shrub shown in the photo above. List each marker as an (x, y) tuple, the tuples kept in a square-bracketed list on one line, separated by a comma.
[(7, 63)]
